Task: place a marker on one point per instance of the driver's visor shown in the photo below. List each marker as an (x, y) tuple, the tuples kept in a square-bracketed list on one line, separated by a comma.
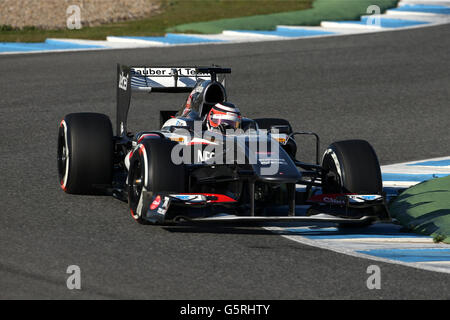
[(230, 120)]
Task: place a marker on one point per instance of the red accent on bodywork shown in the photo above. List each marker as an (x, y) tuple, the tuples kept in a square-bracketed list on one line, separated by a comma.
[(155, 203), (198, 142), (147, 135), (220, 197), (62, 185), (132, 214)]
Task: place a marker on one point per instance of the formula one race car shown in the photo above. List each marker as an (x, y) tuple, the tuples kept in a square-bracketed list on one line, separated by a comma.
[(208, 163)]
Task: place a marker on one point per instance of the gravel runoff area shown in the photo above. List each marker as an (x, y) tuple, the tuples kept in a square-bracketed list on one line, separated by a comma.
[(52, 14)]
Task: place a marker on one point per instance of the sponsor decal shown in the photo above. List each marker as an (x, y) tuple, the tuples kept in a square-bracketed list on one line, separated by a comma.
[(182, 72), (340, 199), (190, 197), (271, 161), (158, 209), (123, 81), (202, 197), (364, 198), (337, 199), (204, 155), (333, 200), (153, 71), (164, 207), (155, 204)]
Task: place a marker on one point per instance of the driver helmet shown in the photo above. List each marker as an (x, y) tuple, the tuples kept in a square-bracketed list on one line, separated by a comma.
[(224, 115)]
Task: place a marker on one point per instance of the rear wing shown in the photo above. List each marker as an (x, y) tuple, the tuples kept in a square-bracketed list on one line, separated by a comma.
[(157, 79)]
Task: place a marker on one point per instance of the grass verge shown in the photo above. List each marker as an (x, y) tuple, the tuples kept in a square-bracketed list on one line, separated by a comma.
[(425, 209), (321, 10), (173, 12)]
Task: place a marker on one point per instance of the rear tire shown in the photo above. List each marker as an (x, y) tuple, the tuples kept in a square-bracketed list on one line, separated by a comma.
[(85, 153), (353, 168)]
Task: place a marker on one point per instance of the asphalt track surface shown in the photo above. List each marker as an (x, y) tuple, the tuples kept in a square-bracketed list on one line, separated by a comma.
[(391, 88)]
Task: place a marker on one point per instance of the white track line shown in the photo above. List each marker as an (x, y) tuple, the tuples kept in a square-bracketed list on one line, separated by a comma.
[(348, 250), (351, 244)]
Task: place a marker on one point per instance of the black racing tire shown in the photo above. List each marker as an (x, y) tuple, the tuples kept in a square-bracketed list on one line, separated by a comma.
[(85, 153), (352, 167), (267, 123), (152, 170)]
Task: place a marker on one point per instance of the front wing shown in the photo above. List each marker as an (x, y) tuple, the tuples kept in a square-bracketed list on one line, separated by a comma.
[(219, 208)]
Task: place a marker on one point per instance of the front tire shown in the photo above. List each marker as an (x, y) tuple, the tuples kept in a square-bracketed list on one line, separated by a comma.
[(352, 167), (85, 153), (152, 172)]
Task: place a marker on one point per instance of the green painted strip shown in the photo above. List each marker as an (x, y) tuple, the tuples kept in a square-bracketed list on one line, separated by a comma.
[(425, 208), (322, 10)]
